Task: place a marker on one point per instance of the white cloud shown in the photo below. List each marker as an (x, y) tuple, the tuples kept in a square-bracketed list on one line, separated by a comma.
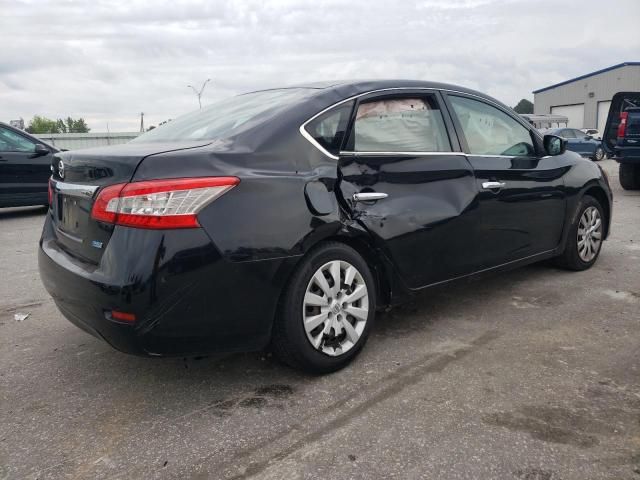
[(109, 60)]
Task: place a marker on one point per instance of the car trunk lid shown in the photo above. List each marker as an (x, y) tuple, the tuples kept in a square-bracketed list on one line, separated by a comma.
[(77, 178)]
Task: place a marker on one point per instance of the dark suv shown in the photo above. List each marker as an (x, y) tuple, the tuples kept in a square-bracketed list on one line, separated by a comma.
[(25, 168), (621, 137)]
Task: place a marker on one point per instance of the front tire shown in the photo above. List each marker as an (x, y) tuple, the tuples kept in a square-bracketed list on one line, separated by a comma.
[(629, 175), (327, 310), (586, 234)]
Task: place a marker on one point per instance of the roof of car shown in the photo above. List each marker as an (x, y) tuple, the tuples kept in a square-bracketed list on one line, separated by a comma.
[(365, 85), (376, 84)]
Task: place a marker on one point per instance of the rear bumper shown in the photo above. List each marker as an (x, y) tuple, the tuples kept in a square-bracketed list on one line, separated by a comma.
[(186, 297), (627, 155)]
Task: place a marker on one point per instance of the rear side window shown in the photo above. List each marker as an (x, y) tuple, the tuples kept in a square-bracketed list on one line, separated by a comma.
[(490, 131), (330, 127), (399, 125), (567, 133)]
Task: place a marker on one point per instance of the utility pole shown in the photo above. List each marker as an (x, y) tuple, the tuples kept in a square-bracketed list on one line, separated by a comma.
[(141, 122), (199, 93)]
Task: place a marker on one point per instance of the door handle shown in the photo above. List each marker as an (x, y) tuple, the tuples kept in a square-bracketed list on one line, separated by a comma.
[(493, 185), (369, 196)]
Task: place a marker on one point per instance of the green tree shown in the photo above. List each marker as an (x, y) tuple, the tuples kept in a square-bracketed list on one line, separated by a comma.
[(40, 124), (77, 126), (524, 106)]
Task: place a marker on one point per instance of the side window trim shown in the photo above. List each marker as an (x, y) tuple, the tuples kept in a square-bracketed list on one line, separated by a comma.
[(453, 129), (406, 93), (535, 136), (308, 133), (313, 141)]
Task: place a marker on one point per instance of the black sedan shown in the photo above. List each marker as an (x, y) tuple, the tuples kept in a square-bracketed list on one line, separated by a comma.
[(287, 217), (25, 168)]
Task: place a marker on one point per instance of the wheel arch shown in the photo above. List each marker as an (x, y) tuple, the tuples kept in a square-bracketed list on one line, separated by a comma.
[(381, 269), (599, 194)]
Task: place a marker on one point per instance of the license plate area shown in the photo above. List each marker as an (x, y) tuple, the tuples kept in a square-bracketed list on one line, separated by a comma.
[(79, 235), (72, 213)]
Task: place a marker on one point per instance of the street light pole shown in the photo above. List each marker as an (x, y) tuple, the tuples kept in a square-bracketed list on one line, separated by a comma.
[(199, 93)]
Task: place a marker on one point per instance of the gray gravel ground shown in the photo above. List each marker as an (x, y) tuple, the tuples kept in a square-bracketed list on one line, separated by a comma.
[(528, 375)]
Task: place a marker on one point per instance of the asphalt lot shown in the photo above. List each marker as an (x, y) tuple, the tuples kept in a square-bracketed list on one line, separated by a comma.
[(534, 375)]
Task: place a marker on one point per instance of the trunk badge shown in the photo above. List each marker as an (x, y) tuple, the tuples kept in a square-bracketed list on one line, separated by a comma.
[(61, 169), (96, 244)]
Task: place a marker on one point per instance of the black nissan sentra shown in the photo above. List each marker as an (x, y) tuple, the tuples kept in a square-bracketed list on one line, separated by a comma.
[(287, 217)]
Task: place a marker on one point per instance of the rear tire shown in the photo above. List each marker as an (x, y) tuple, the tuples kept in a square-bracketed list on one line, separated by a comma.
[(629, 176), (586, 234), (310, 332)]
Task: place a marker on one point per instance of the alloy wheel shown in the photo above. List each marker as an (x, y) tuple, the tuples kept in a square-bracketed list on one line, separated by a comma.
[(336, 308), (589, 234)]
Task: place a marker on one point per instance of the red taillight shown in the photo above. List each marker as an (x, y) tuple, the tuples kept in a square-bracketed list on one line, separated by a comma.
[(622, 127), (172, 203), (123, 316), (50, 192)]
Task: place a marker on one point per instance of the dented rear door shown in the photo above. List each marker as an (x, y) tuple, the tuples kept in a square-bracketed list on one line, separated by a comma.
[(427, 224)]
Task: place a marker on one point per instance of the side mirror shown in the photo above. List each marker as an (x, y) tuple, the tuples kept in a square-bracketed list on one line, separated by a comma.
[(554, 145), (40, 150)]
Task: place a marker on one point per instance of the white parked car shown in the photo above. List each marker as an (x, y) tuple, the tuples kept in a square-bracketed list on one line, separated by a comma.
[(593, 132)]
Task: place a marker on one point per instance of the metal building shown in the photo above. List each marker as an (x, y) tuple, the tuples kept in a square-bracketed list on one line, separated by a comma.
[(75, 141), (585, 100)]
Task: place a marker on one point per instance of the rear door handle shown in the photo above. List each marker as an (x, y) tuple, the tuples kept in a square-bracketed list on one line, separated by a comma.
[(369, 196), (493, 185)]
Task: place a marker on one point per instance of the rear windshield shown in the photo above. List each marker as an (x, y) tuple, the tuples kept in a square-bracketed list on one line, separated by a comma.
[(228, 117)]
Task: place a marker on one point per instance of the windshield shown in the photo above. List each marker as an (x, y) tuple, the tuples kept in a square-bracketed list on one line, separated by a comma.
[(227, 117)]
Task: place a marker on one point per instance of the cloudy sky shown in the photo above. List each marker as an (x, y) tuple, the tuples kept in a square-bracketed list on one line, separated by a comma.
[(107, 61)]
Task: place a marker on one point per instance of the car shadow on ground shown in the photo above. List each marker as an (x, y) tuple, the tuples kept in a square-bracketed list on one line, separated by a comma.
[(22, 212), (160, 392), (419, 314)]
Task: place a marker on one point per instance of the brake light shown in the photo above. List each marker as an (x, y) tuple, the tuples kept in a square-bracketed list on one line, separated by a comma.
[(159, 204), (622, 127), (123, 316)]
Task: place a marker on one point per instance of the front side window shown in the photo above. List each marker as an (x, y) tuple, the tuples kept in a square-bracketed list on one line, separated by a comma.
[(399, 125), (490, 131), (567, 133), (13, 142), (330, 127)]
